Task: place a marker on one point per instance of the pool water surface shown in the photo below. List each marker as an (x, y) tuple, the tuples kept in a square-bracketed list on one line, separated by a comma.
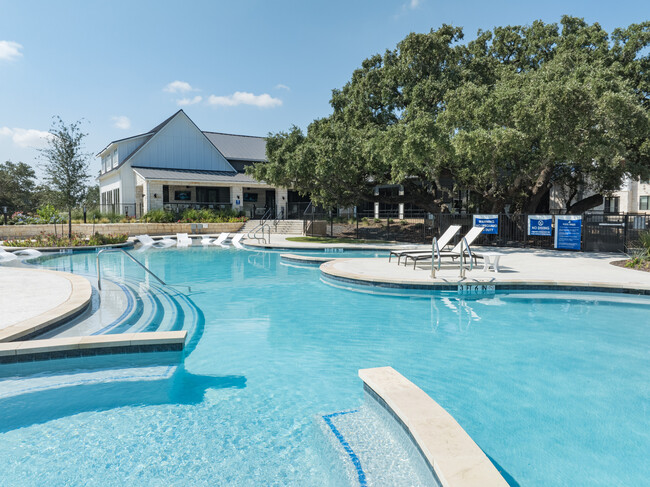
[(554, 387)]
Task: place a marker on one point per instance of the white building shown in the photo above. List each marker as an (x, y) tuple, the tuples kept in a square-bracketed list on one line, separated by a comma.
[(633, 197), (176, 166)]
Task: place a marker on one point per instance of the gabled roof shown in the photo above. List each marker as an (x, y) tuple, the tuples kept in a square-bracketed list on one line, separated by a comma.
[(239, 147)]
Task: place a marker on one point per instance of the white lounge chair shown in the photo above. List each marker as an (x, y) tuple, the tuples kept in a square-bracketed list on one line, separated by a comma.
[(147, 242), (453, 253), (236, 240), (183, 240), (6, 256), (443, 241), (206, 240), (221, 239), (27, 254)]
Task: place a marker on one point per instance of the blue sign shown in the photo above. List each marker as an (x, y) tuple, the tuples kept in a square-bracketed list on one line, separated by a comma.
[(237, 202), (568, 232), (540, 225), (490, 224)]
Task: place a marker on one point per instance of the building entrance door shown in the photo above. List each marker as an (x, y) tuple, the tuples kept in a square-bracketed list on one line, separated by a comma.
[(270, 201)]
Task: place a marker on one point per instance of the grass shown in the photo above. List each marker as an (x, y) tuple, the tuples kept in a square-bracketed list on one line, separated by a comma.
[(327, 240)]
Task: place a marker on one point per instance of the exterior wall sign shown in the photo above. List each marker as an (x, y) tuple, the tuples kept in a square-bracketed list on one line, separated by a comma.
[(540, 225), (568, 230), (490, 224)]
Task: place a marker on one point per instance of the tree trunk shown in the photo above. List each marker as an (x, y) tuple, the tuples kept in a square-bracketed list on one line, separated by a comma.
[(585, 204), (70, 223), (539, 189)]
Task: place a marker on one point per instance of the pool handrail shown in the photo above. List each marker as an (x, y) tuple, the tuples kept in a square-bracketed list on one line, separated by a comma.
[(99, 275)]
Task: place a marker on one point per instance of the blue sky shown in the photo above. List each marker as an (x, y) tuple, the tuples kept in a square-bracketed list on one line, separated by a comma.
[(248, 67)]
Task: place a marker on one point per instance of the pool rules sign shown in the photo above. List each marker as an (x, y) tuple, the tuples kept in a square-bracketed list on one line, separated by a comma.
[(568, 231)]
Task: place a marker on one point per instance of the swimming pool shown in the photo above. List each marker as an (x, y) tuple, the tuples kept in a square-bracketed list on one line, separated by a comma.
[(553, 387)]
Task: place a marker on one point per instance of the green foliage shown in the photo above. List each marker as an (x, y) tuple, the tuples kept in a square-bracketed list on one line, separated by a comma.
[(507, 115), (66, 166), (17, 186), (207, 215), (158, 216), (76, 240), (48, 214), (644, 242)]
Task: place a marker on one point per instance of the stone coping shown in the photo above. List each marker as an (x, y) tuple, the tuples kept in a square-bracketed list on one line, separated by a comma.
[(77, 302), (67, 347), (288, 245), (306, 259), (349, 270), (449, 451), (79, 248)]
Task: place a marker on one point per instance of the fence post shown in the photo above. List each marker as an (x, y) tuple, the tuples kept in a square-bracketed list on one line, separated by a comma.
[(357, 217), (388, 227), (625, 232)]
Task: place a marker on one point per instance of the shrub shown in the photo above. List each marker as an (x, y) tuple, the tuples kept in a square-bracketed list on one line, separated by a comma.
[(159, 216), (644, 241), (77, 240)]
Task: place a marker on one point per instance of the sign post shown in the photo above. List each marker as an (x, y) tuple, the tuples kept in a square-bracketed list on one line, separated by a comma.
[(568, 232)]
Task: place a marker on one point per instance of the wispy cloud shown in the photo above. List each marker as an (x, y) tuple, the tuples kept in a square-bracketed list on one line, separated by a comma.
[(10, 51), (243, 98), (282, 87), (26, 137), (414, 4), (121, 122), (179, 87), (189, 101)]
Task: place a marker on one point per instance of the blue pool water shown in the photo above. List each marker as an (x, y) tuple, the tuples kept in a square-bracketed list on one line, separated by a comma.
[(553, 387)]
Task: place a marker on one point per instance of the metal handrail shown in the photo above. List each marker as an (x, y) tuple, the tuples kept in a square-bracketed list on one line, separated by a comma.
[(99, 275), (435, 251), (254, 230), (465, 246)]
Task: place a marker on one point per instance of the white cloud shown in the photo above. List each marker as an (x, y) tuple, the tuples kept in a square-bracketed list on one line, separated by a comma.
[(189, 101), (414, 4), (121, 122), (282, 87), (179, 87), (10, 51), (243, 98), (26, 137)]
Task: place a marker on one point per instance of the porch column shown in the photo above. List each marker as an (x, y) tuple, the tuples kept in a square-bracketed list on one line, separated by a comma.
[(400, 206), (376, 203), (281, 200), (237, 198)]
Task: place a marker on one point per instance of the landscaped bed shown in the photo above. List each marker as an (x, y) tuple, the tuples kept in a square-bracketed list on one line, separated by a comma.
[(77, 240)]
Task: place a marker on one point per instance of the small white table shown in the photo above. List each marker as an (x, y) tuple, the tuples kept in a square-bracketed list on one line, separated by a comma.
[(490, 260)]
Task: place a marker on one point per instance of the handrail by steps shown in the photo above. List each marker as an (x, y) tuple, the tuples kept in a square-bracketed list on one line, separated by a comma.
[(99, 275), (261, 225), (435, 251), (464, 246)]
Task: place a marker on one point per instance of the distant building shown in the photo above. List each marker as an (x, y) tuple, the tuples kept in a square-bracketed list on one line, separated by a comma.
[(633, 197), (176, 166)]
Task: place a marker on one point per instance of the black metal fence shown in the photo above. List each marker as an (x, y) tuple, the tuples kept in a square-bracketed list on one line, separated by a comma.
[(605, 232)]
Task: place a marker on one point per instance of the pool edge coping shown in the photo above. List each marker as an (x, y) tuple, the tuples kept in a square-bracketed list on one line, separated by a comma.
[(77, 302), (328, 271), (451, 454)]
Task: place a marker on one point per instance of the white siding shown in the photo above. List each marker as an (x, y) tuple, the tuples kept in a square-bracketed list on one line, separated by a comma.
[(181, 145), (125, 148)]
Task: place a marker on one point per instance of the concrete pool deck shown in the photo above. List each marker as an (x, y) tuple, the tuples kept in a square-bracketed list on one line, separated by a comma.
[(518, 268)]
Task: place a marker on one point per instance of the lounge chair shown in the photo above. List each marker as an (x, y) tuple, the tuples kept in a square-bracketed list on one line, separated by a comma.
[(147, 242), (453, 253), (6, 256), (206, 240), (27, 253), (221, 239), (236, 240), (443, 241), (183, 240)]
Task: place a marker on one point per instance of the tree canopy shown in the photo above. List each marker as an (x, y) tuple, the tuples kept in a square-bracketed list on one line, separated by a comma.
[(507, 115)]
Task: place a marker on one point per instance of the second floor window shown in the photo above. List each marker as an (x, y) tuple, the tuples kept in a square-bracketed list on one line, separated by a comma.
[(611, 204), (644, 203)]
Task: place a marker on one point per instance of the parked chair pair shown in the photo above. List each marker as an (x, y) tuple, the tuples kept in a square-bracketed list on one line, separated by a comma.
[(454, 253), (220, 240), (148, 242), (443, 241), (183, 240), (24, 254)]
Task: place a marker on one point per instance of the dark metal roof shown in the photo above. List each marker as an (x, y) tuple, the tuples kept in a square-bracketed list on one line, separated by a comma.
[(239, 147), (195, 175)]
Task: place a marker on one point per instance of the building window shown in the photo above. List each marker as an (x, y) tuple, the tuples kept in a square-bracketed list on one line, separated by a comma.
[(115, 158), (611, 204), (205, 194), (165, 194), (644, 203)]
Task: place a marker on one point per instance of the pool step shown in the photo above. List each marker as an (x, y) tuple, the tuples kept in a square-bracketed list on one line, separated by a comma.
[(130, 306)]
